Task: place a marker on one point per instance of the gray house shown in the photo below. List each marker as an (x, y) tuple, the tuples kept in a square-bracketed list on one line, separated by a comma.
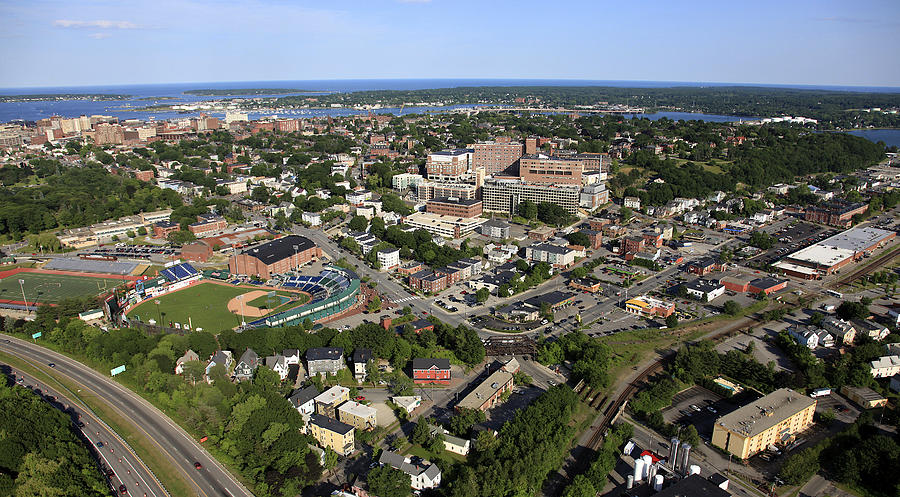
[(324, 360), (246, 365)]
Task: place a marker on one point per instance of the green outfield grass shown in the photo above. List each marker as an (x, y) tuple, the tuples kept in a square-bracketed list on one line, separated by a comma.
[(204, 305), (51, 288)]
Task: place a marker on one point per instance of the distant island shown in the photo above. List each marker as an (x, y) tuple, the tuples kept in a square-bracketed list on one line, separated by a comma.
[(158, 98), (44, 97), (247, 91)]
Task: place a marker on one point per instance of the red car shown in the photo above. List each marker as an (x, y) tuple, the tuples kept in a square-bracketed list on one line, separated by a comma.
[(359, 398), (197, 465), (122, 489)]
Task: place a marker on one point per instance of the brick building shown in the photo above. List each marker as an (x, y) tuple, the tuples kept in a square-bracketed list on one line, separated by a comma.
[(540, 168), (277, 256), (451, 206), (497, 156)]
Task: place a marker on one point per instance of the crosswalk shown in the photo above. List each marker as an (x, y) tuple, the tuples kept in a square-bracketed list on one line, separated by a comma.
[(406, 299)]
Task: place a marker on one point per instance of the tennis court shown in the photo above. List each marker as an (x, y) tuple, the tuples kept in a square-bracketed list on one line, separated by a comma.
[(45, 288)]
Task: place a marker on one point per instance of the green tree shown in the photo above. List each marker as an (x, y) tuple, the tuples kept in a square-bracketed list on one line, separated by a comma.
[(358, 223), (385, 481), (528, 210), (482, 295), (626, 214), (181, 237), (581, 486), (672, 321), (731, 308), (421, 432), (375, 304)]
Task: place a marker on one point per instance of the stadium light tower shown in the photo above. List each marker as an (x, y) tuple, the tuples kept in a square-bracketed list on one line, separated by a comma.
[(22, 286)]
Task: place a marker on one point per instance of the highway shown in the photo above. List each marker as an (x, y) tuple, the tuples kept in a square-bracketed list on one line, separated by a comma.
[(213, 480), (119, 463)]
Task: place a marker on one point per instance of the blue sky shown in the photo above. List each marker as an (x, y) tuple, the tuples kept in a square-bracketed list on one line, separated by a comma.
[(93, 42)]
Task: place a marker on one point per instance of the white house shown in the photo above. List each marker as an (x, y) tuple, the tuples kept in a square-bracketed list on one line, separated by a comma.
[(313, 218), (190, 355), (805, 336), (279, 364), (304, 400), (423, 475), (388, 259), (291, 356)]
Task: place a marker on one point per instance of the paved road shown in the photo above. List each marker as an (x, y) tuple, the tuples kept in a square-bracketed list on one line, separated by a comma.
[(212, 481), (120, 464)]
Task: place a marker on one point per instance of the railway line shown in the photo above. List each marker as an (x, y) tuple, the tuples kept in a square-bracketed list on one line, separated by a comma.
[(869, 268)]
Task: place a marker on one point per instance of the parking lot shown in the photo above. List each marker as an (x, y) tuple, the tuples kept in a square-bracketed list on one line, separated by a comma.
[(793, 238), (701, 408)]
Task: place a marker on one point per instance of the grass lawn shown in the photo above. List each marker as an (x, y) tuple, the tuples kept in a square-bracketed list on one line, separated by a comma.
[(51, 288), (446, 456), (204, 305)]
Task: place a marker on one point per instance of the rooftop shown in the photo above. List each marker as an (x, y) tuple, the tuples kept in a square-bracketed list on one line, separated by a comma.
[(428, 363), (357, 409), (280, 249), (333, 395), (762, 414), (324, 353), (330, 424), (485, 390)]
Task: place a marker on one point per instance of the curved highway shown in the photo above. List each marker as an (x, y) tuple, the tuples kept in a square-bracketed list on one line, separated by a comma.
[(213, 480), (118, 462)]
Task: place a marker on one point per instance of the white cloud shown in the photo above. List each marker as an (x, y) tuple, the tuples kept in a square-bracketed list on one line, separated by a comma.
[(414, 1), (101, 24), (99, 36)]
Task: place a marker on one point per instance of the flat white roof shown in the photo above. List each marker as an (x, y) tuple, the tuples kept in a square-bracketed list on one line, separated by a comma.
[(357, 409), (840, 247), (787, 266), (332, 394)]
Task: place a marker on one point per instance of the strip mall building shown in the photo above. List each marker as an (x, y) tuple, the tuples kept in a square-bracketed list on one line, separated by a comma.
[(833, 253)]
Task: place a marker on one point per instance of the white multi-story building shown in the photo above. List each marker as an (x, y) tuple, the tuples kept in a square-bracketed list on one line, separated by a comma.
[(313, 218), (388, 259), (886, 366), (505, 195), (556, 256), (406, 180)]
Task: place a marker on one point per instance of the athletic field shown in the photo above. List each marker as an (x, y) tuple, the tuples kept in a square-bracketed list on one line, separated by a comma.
[(203, 305), (43, 288)]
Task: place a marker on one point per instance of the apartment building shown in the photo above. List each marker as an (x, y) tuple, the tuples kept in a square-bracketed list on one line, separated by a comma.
[(333, 434), (359, 416), (772, 420)]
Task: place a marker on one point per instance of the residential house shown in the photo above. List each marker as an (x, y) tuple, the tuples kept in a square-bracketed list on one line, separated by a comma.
[(291, 356), (805, 336), (825, 338), (333, 434), (423, 475), (277, 363), (871, 329), (324, 360), (427, 370), (189, 355), (843, 331), (453, 444), (360, 416), (705, 266), (489, 392), (304, 399), (885, 366), (220, 358), (246, 366), (328, 401), (408, 403), (361, 357)]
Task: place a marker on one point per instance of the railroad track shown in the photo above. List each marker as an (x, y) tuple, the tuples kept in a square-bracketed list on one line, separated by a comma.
[(872, 266)]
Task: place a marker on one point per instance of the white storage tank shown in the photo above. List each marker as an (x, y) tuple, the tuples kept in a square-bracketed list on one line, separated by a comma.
[(648, 461), (638, 469), (658, 483), (694, 470), (629, 482)]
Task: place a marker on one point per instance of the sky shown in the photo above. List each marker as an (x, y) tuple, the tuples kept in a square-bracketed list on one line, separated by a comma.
[(102, 42)]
